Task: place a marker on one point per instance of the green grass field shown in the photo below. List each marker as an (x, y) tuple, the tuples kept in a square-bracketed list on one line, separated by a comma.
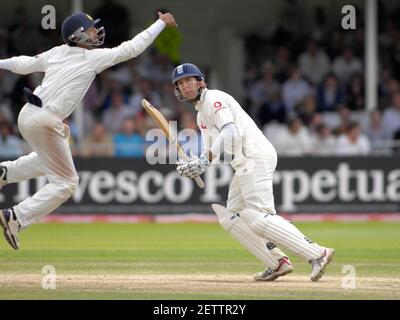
[(192, 261)]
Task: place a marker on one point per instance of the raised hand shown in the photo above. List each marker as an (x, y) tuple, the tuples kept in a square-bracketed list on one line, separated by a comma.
[(168, 18)]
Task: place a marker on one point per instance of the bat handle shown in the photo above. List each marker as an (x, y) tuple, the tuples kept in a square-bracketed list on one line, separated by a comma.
[(200, 182)]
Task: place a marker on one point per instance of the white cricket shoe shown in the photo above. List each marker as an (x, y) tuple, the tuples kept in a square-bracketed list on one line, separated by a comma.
[(3, 177), (11, 227), (319, 265), (285, 267)]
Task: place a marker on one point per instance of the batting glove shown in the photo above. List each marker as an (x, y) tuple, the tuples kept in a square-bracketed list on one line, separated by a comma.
[(194, 167)]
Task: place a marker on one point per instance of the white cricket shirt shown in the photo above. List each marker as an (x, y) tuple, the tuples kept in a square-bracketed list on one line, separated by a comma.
[(69, 71), (216, 109)]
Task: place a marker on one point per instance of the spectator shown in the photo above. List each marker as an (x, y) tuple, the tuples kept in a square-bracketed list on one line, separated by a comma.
[(5, 113), (274, 110), (307, 109), (282, 64), (355, 93), (330, 94), (99, 143), (295, 89), (128, 142), (324, 143), (123, 74), (315, 122), (105, 87), (160, 69), (10, 145), (353, 143), (375, 130), (92, 100), (377, 134), (388, 89), (391, 116), (346, 65), (7, 84), (260, 92), (145, 91), (314, 64), (344, 115), (116, 113), (294, 140)]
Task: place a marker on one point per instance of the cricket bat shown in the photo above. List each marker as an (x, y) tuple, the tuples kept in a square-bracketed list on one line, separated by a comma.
[(164, 126)]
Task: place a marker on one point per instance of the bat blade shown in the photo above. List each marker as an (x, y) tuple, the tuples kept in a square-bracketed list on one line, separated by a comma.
[(163, 124)]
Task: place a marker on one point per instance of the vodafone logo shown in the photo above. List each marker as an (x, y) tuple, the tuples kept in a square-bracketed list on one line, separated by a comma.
[(217, 105)]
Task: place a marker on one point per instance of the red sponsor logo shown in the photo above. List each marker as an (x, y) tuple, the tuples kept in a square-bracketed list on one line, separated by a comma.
[(217, 105), (203, 126), (219, 110)]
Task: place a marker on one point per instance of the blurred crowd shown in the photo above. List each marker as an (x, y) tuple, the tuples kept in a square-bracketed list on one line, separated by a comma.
[(305, 85), (304, 89)]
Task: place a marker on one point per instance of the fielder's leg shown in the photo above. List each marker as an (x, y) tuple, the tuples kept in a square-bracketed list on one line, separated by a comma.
[(47, 136), (24, 168)]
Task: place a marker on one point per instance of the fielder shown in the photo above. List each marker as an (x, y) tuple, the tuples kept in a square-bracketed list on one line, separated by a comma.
[(250, 216), (69, 70)]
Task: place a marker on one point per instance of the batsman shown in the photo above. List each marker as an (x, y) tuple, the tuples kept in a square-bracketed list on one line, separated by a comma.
[(250, 216), (69, 71)]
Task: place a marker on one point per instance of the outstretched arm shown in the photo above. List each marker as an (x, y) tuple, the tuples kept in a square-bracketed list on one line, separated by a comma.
[(106, 58), (25, 64)]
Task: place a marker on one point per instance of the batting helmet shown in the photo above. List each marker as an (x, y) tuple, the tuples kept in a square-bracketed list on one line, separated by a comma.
[(74, 28), (186, 70), (183, 71)]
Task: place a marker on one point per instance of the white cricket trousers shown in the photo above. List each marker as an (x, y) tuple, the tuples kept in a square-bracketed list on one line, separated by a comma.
[(252, 187), (251, 195), (48, 137)]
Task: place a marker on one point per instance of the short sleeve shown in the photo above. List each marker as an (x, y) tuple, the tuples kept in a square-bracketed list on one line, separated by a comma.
[(221, 112)]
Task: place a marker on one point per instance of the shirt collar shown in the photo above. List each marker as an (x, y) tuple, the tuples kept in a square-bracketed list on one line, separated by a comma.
[(201, 100), (76, 48)]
